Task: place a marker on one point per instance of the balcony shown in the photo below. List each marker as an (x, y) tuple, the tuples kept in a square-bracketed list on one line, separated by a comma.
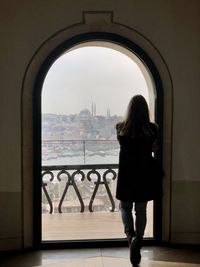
[(78, 203)]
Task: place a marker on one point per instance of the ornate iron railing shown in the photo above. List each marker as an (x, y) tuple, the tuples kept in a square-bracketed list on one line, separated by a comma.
[(95, 174)]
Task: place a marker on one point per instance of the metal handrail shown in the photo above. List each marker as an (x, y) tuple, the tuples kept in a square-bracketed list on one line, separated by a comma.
[(84, 145)]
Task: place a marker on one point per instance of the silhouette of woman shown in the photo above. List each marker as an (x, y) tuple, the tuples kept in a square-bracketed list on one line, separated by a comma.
[(139, 176)]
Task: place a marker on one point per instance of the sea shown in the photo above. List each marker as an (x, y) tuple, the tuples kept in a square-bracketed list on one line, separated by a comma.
[(81, 159)]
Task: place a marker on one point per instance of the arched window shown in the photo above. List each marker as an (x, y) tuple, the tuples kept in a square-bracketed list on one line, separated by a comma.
[(84, 94), (58, 182)]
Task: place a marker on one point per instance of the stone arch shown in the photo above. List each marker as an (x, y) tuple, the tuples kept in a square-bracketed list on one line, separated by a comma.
[(92, 22)]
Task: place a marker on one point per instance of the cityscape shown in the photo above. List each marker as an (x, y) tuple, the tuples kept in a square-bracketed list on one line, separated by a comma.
[(75, 139), (85, 125), (79, 136)]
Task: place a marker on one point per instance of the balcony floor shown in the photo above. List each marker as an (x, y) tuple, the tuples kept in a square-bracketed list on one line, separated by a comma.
[(80, 226)]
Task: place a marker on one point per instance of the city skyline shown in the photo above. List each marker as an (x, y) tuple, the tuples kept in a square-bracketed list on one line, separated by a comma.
[(92, 110)]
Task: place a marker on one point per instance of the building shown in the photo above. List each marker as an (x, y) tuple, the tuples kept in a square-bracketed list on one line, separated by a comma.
[(167, 31)]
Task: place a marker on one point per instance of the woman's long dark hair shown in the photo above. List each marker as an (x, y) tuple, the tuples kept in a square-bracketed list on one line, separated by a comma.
[(136, 122)]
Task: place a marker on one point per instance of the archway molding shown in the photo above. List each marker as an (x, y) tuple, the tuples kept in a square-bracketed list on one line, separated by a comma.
[(91, 27)]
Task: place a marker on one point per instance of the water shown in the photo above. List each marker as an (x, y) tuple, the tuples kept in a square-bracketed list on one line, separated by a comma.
[(79, 160)]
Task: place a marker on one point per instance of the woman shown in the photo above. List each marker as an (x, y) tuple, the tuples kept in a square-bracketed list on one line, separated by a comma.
[(139, 176)]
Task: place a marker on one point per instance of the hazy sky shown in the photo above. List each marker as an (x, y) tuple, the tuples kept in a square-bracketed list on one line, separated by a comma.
[(92, 74)]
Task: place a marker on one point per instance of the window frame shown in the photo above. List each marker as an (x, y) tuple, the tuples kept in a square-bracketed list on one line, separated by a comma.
[(50, 59)]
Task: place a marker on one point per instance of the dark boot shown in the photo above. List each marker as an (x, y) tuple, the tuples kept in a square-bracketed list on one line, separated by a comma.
[(135, 255)]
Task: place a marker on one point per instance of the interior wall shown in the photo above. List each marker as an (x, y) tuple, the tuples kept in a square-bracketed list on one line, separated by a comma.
[(173, 28)]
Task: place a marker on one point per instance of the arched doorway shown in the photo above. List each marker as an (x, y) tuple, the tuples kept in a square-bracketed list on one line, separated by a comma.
[(152, 78)]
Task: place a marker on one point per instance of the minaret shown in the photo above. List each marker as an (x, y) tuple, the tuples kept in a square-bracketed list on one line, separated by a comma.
[(108, 113), (94, 109)]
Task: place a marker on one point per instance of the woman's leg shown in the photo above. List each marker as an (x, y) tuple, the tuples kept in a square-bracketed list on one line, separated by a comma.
[(141, 218), (140, 224), (127, 219)]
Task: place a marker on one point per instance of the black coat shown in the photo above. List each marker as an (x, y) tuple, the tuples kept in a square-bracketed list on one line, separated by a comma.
[(139, 175)]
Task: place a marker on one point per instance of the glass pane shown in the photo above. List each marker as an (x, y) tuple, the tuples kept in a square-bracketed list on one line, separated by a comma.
[(85, 94)]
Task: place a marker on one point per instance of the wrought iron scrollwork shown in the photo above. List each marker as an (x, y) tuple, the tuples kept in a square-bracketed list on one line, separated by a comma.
[(71, 182), (101, 172), (97, 183), (101, 182), (45, 190), (107, 187)]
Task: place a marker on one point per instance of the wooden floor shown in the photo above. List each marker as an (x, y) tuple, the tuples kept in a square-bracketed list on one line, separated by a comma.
[(81, 226)]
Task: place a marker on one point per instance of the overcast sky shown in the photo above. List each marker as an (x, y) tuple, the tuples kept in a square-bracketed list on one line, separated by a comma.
[(92, 74)]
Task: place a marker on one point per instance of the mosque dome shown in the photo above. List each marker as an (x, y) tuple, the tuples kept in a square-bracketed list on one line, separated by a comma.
[(85, 113)]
